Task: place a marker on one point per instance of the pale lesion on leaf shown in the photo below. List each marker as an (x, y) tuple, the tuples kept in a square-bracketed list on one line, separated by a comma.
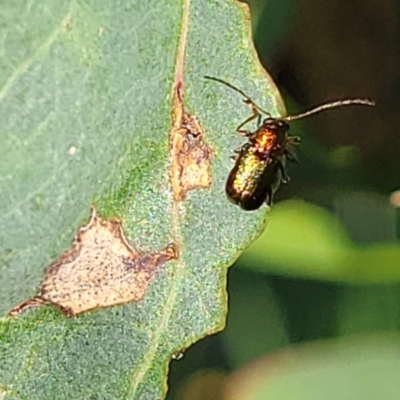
[(190, 167), (101, 269)]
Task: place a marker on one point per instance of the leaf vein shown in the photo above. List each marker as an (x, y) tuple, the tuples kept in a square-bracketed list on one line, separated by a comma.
[(25, 65)]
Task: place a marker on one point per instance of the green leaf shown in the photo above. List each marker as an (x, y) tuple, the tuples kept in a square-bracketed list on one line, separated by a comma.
[(369, 308), (306, 241), (256, 324), (360, 368), (86, 91)]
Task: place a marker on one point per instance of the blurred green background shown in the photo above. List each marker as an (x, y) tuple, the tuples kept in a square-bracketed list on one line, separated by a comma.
[(328, 264)]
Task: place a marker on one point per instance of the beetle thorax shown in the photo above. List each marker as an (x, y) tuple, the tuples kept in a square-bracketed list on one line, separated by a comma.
[(269, 141)]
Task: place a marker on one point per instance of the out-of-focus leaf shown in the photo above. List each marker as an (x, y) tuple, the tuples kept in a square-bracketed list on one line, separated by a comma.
[(306, 241), (369, 308), (354, 369), (256, 324)]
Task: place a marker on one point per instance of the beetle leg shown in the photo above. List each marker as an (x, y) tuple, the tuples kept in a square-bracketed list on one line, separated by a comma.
[(268, 199), (294, 140), (244, 133), (290, 153), (256, 114), (285, 177), (237, 152), (290, 156)]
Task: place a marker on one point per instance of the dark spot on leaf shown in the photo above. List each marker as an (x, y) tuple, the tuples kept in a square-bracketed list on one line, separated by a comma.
[(100, 270), (190, 156)]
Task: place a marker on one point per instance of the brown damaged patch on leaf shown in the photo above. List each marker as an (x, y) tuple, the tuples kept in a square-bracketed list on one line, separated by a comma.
[(190, 156), (100, 270)]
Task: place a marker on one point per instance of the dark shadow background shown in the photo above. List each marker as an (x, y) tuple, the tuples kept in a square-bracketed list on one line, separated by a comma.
[(316, 51)]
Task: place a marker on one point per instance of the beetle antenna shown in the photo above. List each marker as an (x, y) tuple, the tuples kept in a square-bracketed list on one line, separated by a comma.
[(247, 99), (328, 106)]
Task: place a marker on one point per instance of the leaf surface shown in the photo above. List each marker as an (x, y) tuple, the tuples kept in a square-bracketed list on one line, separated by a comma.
[(87, 95)]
